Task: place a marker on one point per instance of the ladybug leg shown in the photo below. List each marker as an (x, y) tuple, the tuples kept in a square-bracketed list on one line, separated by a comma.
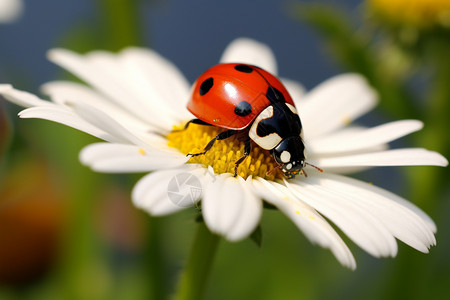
[(221, 136), (193, 121), (247, 149)]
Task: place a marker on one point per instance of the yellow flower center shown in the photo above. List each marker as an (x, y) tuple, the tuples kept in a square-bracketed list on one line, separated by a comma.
[(223, 155)]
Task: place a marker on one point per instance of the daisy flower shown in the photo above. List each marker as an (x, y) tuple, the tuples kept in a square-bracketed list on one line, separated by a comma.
[(135, 99), (10, 10)]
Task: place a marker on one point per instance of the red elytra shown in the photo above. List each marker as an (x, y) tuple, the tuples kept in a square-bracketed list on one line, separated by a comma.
[(232, 95)]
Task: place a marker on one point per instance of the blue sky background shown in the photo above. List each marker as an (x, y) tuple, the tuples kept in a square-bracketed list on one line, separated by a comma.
[(192, 34)]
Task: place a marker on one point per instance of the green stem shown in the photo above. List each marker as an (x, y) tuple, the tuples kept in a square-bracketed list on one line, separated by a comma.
[(156, 265), (195, 275)]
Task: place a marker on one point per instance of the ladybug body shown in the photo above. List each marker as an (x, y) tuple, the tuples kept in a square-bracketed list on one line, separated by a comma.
[(240, 97)]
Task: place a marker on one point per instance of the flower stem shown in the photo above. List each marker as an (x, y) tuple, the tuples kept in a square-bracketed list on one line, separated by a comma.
[(154, 260), (195, 275)]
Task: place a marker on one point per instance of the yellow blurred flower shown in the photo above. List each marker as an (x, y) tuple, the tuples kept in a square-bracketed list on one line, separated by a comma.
[(415, 13)]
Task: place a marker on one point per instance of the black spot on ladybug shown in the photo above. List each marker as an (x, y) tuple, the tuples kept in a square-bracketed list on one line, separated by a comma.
[(206, 86), (274, 95), (243, 109), (244, 68)]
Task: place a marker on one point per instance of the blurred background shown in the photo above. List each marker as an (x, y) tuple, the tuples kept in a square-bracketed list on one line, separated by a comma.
[(69, 233)]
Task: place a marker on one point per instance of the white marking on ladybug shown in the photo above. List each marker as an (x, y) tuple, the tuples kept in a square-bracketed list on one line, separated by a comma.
[(285, 156), (292, 108), (269, 141), (288, 166)]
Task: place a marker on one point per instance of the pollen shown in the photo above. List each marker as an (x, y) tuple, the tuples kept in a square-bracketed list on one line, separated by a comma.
[(142, 151), (223, 155), (346, 120)]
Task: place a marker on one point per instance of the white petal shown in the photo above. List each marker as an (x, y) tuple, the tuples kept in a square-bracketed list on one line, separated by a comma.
[(10, 10), (314, 226), (4, 87), (106, 123), (358, 223), (335, 103), (248, 51), (402, 218), (342, 134), (397, 157), (22, 98), (62, 92), (126, 70), (158, 81), (94, 121), (64, 115), (363, 139), (152, 195), (230, 208), (122, 158), (295, 89), (104, 72)]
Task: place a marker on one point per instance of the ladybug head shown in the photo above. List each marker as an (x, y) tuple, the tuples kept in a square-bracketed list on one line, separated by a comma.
[(289, 154)]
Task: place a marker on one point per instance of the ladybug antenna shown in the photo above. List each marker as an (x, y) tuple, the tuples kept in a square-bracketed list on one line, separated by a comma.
[(273, 169), (315, 167)]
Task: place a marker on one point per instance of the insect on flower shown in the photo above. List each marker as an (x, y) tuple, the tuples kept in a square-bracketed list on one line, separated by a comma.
[(136, 100), (241, 97)]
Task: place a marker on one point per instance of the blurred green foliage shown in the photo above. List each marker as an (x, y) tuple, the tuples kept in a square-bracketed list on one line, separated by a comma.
[(93, 259)]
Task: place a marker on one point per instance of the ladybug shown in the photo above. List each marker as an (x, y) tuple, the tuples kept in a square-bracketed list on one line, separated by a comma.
[(241, 97)]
